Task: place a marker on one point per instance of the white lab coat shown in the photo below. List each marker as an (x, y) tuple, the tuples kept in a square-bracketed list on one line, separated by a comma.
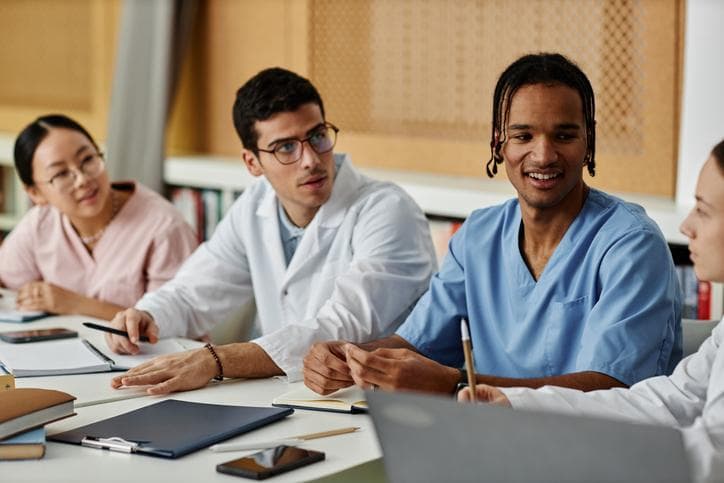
[(692, 398), (361, 265)]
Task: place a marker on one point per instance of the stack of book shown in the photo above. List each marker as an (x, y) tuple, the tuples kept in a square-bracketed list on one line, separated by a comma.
[(23, 413)]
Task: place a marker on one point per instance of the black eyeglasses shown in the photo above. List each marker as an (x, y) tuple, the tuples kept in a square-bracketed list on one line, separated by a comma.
[(289, 151)]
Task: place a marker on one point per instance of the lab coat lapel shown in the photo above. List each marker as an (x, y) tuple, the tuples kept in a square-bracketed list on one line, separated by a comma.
[(268, 223), (313, 248)]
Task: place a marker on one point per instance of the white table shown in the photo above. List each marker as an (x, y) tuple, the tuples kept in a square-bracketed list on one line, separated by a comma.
[(65, 462)]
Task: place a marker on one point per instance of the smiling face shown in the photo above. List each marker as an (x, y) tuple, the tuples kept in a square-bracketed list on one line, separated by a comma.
[(545, 145), (63, 150), (302, 187), (705, 224)]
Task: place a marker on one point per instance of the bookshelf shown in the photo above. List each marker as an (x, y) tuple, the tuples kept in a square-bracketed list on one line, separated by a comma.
[(445, 196), (13, 200)]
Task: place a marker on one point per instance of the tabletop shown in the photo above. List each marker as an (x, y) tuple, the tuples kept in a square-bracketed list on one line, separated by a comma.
[(65, 462)]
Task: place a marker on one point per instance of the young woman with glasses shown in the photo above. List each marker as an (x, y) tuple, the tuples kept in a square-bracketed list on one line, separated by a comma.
[(88, 246)]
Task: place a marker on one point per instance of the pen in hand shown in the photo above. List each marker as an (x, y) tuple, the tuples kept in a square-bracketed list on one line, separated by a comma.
[(467, 351), (111, 330)]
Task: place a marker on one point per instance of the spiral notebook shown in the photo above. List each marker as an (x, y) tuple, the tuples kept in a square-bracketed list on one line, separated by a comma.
[(76, 356)]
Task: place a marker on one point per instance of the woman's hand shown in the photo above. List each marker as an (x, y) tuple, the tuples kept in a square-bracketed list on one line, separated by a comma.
[(46, 297)]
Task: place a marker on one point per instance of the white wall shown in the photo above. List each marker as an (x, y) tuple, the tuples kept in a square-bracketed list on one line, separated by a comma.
[(702, 116)]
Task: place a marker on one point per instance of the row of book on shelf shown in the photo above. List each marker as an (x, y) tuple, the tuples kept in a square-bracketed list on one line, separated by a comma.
[(201, 208), (701, 300)]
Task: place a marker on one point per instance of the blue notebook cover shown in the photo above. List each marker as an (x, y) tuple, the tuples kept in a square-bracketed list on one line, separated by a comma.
[(171, 428)]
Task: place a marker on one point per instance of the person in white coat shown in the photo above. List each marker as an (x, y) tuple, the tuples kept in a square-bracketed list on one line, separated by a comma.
[(692, 398), (323, 251)]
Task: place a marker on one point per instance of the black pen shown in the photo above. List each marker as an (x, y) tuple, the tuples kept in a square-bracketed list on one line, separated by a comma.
[(105, 328)]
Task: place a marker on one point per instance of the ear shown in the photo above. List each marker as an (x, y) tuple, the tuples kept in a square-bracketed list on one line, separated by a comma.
[(252, 162), (35, 195)]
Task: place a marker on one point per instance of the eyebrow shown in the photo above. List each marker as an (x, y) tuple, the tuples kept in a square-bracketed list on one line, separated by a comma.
[(701, 200), (564, 126), (292, 138), (62, 162)]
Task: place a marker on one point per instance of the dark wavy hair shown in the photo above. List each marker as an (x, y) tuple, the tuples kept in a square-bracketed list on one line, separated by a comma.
[(543, 68), (30, 138), (267, 93), (718, 153)]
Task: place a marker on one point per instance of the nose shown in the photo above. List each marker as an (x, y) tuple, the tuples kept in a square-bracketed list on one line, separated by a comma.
[(309, 158), (687, 226), (543, 150), (78, 174)]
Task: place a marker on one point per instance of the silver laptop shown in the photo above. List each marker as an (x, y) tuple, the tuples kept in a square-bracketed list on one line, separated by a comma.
[(433, 439)]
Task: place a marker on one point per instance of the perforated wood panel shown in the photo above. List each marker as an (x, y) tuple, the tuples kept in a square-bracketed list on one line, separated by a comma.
[(411, 81), (57, 56)]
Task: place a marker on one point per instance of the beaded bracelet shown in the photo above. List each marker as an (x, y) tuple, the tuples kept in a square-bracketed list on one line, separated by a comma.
[(220, 376)]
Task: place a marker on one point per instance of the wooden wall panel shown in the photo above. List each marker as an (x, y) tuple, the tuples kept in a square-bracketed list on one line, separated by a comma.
[(410, 82), (236, 39), (57, 57)]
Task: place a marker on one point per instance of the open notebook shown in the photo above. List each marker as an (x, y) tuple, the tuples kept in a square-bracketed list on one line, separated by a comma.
[(8, 312), (76, 356), (348, 400)]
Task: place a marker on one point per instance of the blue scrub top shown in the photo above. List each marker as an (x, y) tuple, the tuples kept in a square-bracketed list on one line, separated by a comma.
[(608, 300)]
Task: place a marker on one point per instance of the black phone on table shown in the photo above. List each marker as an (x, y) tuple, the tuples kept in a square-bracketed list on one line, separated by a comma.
[(36, 335), (270, 462)]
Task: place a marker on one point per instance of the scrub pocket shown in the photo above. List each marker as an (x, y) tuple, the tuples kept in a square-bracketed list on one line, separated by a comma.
[(567, 321)]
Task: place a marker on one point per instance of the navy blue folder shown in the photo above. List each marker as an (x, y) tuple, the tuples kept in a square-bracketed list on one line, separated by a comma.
[(171, 428)]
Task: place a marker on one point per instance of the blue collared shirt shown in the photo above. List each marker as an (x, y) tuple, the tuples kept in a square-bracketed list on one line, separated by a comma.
[(289, 232), (608, 299)]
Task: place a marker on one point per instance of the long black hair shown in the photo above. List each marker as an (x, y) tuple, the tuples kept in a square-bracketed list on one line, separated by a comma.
[(543, 68)]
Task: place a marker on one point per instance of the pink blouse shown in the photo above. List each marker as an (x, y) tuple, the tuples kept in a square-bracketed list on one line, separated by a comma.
[(141, 248)]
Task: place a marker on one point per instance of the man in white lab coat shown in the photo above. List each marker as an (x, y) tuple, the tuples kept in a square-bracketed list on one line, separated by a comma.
[(325, 252)]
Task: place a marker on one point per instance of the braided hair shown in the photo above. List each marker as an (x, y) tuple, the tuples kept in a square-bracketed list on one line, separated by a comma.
[(543, 68)]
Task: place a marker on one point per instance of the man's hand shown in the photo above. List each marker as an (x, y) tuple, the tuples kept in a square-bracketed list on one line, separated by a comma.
[(170, 373), (136, 323), (394, 369), (47, 297), (485, 394), (325, 368)]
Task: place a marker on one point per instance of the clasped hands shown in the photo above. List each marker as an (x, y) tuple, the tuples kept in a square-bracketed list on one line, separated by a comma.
[(330, 366)]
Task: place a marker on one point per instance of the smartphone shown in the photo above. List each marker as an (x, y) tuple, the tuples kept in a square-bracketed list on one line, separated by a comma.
[(35, 335), (270, 462)]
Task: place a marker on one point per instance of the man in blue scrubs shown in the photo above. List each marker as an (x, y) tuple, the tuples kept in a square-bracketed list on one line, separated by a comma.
[(565, 285)]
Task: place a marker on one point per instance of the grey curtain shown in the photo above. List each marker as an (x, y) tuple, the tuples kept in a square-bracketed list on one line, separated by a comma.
[(152, 40)]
